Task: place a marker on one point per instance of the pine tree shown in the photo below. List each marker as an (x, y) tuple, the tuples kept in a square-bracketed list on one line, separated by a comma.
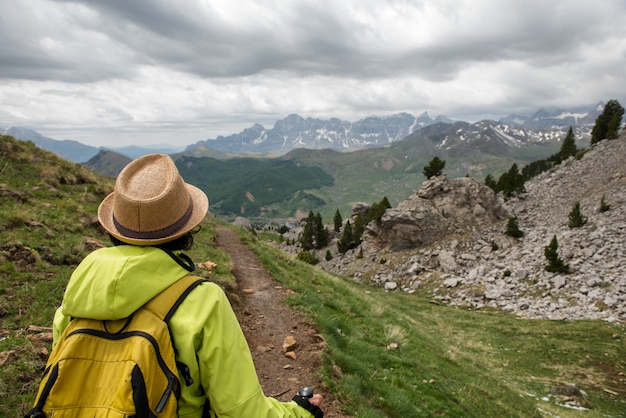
[(320, 232), (377, 211), (537, 167), (608, 123), (384, 202), (576, 218), (555, 263), (434, 168), (359, 228), (491, 183), (511, 182), (337, 221), (604, 207), (568, 147), (614, 124), (346, 239), (512, 228), (306, 240)]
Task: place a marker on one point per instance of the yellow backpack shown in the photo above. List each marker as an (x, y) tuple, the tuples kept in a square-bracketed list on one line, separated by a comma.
[(123, 368)]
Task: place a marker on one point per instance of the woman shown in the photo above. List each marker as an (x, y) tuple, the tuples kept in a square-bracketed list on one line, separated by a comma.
[(150, 214)]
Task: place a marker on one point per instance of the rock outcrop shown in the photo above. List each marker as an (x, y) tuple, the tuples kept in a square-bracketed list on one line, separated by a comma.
[(448, 241), (441, 207)]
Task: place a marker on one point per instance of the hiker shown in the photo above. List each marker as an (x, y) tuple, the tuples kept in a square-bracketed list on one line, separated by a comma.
[(151, 216)]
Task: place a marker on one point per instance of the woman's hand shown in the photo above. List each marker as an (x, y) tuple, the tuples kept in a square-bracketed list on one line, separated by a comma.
[(316, 400)]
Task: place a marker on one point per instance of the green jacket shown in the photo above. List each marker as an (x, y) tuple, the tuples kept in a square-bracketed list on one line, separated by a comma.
[(111, 283)]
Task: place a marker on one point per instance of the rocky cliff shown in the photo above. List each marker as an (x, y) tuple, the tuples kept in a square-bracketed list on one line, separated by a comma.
[(440, 208), (448, 241)]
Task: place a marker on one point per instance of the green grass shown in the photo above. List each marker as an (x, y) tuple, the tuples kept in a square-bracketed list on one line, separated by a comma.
[(449, 361)]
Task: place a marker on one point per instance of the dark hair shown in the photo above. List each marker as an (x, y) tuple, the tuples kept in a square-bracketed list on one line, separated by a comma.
[(183, 243)]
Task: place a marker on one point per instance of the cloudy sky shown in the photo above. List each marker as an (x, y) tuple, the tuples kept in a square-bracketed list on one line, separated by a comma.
[(119, 72)]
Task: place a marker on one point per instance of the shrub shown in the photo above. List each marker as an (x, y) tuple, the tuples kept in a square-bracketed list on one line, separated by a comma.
[(307, 257)]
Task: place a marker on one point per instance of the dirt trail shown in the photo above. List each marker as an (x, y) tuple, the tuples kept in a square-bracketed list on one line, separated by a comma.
[(266, 321)]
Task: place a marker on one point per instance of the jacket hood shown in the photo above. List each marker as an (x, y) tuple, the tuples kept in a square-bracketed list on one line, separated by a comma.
[(111, 283)]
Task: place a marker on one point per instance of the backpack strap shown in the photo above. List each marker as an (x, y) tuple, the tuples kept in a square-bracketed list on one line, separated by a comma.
[(164, 304)]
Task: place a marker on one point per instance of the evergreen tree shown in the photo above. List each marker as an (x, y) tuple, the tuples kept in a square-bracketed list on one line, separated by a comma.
[(535, 168), (377, 210), (320, 232), (604, 207), (608, 123), (576, 218), (511, 182), (491, 183), (568, 147), (555, 263), (614, 124), (434, 168), (359, 228), (512, 228), (337, 221), (346, 239), (306, 240)]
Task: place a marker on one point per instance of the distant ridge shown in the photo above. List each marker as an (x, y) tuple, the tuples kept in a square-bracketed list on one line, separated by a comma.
[(295, 132), (78, 152), (108, 163), (67, 149)]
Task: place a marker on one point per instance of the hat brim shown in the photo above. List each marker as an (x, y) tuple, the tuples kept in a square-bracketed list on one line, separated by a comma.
[(199, 211)]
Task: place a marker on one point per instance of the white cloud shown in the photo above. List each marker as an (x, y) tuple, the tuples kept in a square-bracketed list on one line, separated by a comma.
[(117, 71)]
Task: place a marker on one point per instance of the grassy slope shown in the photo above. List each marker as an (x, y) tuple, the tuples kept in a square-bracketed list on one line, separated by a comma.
[(451, 362), (47, 225), (396, 171), (250, 186)]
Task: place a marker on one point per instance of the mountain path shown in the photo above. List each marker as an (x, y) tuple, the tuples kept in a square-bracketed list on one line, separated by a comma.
[(266, 321)]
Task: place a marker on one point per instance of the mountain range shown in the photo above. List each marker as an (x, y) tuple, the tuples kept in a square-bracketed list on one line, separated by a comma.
[(298, 165), (294, 132)]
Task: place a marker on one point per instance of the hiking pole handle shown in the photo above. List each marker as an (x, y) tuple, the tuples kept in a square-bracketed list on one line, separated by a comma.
[(303, 399)]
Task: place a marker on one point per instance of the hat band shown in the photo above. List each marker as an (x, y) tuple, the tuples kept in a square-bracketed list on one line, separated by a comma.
[(159, 233)]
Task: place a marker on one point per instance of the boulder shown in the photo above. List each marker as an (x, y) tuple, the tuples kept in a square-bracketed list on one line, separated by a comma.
[(440, 207)]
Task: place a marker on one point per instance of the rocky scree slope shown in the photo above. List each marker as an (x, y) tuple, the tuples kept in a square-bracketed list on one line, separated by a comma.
[(448, 240)]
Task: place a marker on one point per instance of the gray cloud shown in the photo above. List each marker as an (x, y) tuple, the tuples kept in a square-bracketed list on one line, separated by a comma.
[(199, 62)]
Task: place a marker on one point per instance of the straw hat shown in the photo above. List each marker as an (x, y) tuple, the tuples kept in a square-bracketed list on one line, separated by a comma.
[(151, 204)]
